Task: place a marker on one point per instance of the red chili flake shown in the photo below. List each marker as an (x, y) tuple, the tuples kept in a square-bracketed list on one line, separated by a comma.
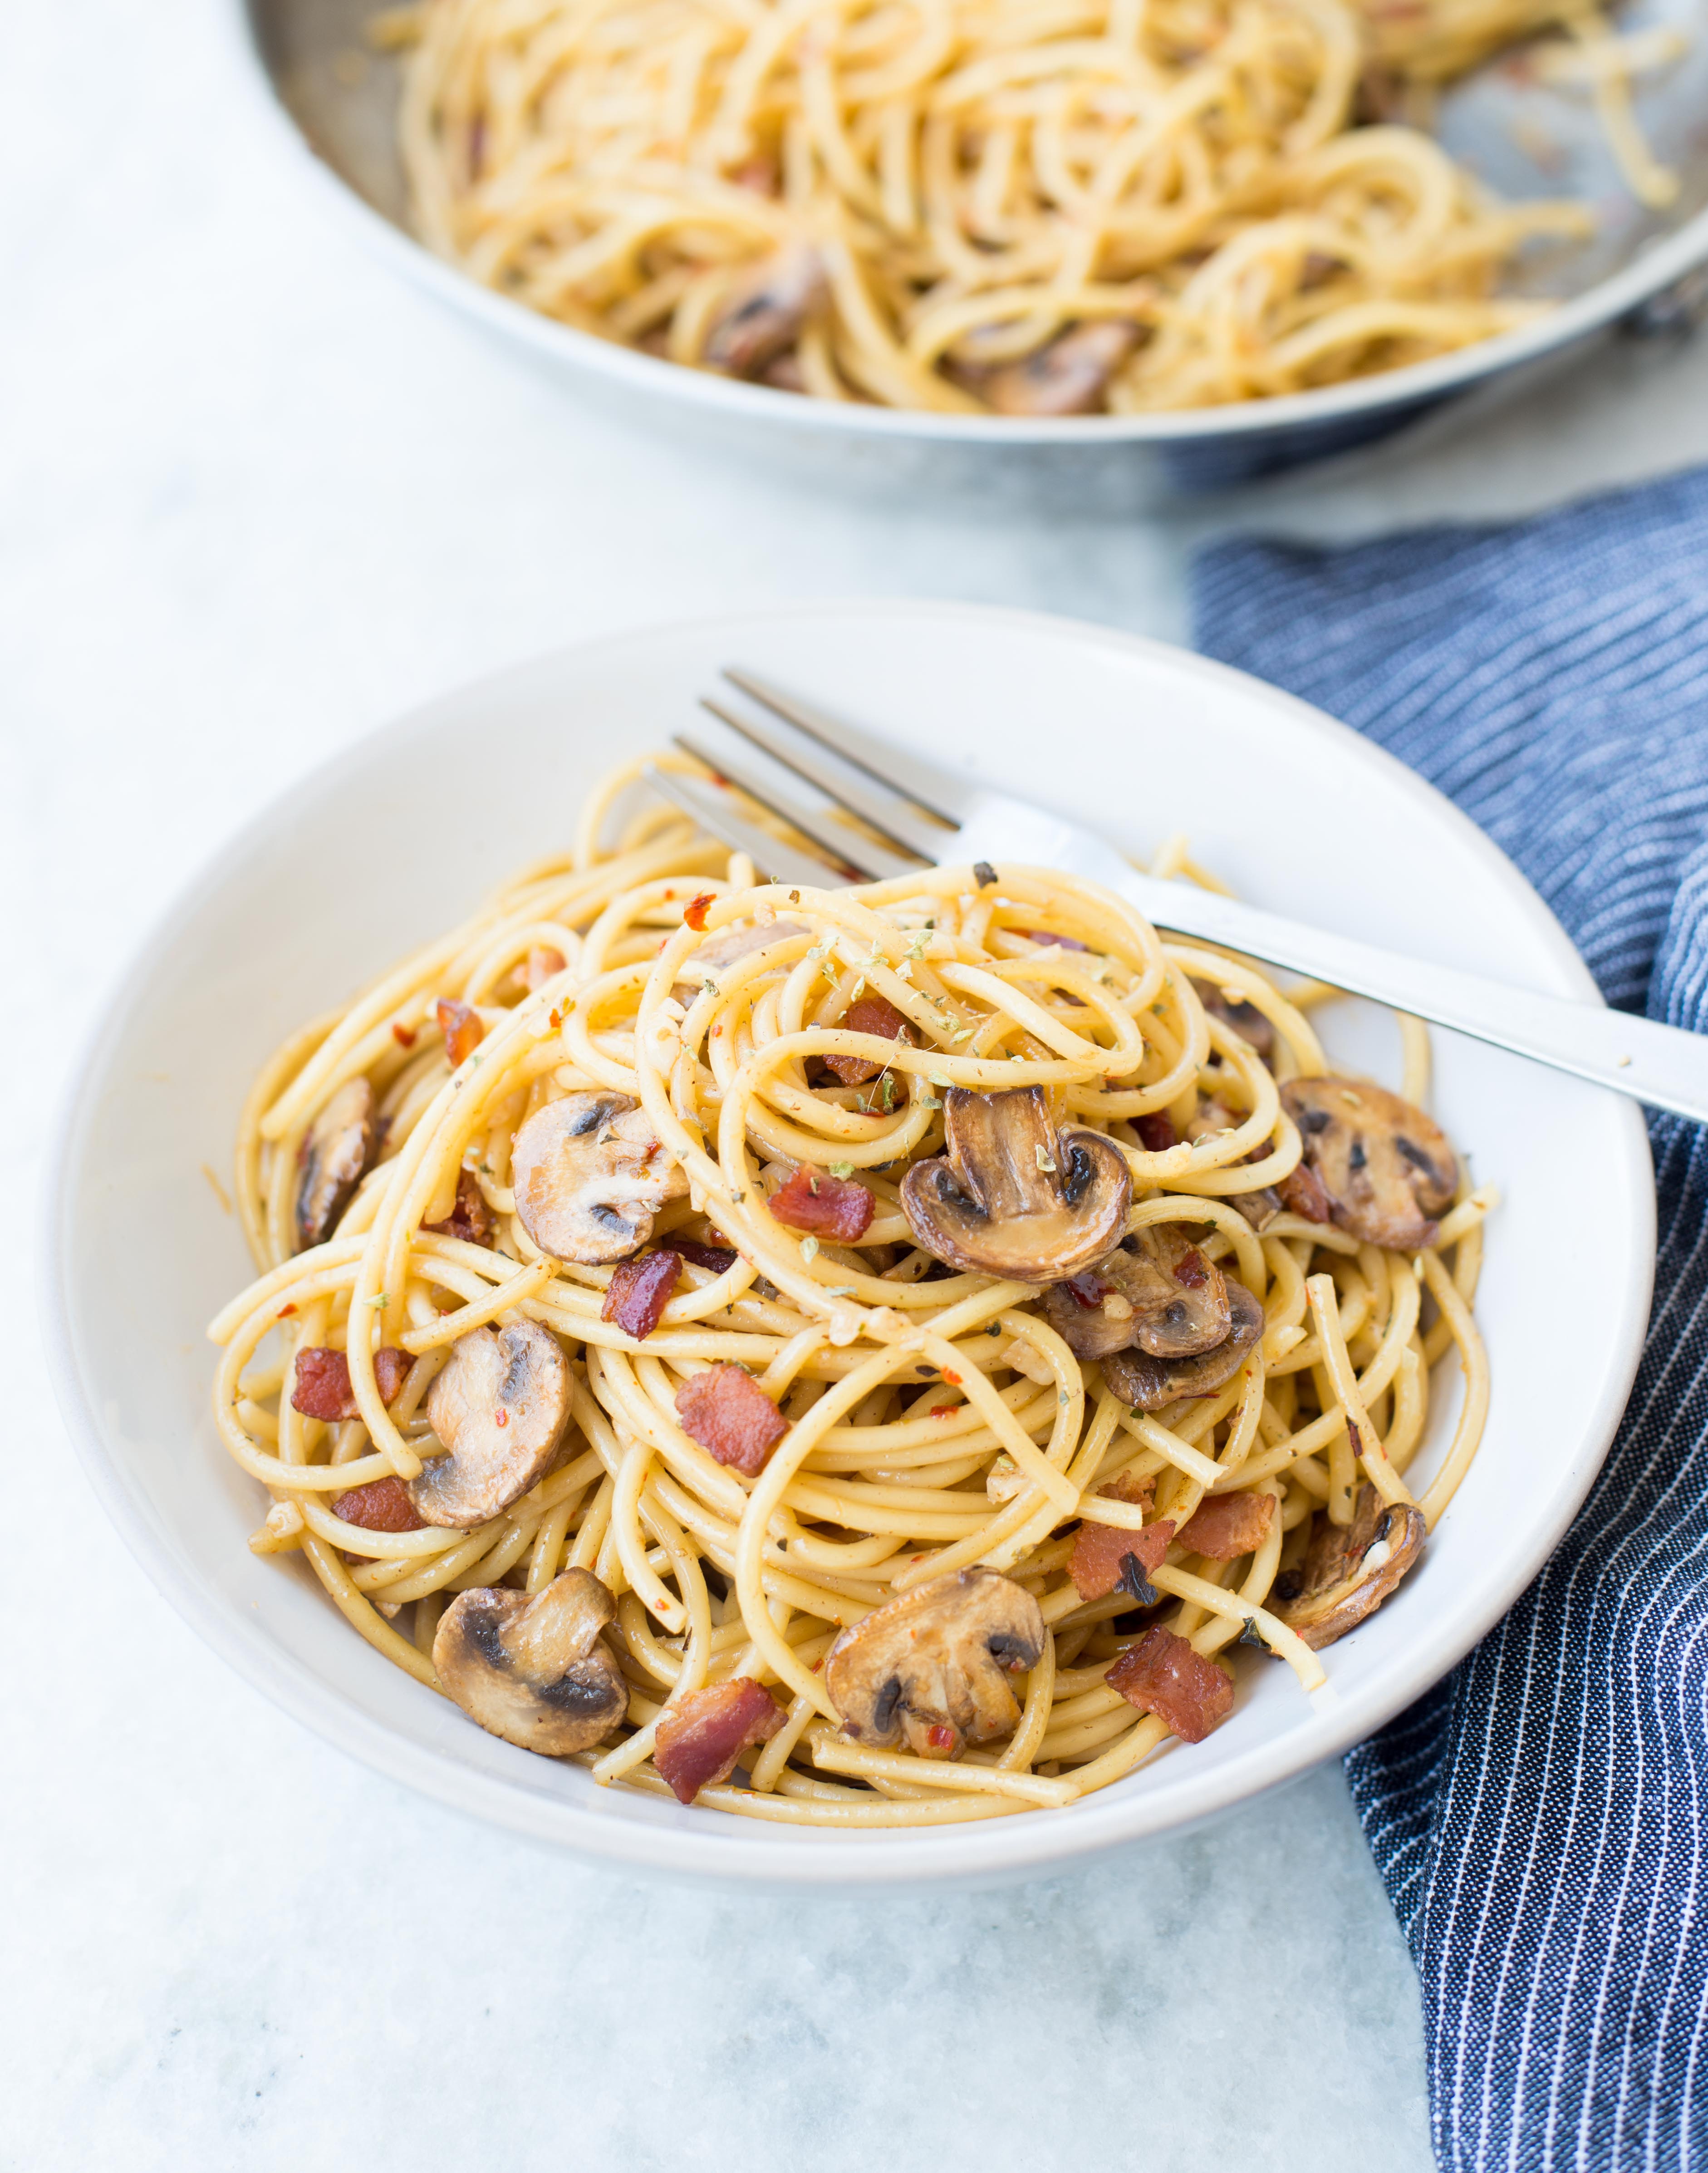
[(554, 1018), (285, 1310), (1190, 1270), (940, 1738), (953, 1379), (639, 1292), (944, 1411), (1157, 1132), (501, 1416), (461, 1025), (828, 1207), (694, 912), (405, 1037), (382, 1506), (728, 1413), (1085, 1289)]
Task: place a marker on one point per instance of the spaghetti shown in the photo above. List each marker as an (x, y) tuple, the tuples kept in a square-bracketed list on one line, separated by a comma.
[(972, 206), (758, 1439)]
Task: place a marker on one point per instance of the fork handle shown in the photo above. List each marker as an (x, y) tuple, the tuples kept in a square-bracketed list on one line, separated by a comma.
[(1659, 1064)]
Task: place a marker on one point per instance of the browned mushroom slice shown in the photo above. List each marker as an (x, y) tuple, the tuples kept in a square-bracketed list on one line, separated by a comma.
[(1012, 1197), (767, 311), (725, 948), (334, 1155), (537, 1672), (1349, 1570), (1387, 1169), (932, 1668), (499, 1406), (1261, 1206), (1147, 1382), (1069, 377), (1248, 1021), (589, 1173), (1157, 1291)]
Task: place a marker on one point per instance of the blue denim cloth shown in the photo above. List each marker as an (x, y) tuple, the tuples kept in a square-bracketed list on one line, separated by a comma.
[(1540, 1818)]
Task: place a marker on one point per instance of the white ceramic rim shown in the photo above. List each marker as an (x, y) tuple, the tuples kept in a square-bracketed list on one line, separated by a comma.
[(1418, 385), (755, 1852)]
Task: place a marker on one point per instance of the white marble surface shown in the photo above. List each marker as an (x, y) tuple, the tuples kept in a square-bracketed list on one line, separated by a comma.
[(253, 496)]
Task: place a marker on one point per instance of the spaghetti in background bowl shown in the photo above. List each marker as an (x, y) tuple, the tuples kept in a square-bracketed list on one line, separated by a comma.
[(1515, 125), (335, 881)]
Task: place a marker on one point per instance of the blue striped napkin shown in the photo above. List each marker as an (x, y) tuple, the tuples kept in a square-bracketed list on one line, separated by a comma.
[(1540, 1820)]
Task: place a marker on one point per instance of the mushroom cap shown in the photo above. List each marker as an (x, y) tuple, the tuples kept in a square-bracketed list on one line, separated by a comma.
[(1386, 1167), (1148, 1383), (589, 1173), (1157, 1289), (335, 1153), (534, 1671), (1013, 1198), (933, 1666), (500, 1407), (1349, 1569), (768, 310)]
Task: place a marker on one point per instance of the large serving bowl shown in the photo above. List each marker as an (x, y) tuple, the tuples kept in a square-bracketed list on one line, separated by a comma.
[(333, 882), (337, 99)]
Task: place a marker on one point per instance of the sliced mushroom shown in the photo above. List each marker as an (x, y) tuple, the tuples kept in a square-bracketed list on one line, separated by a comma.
[(1013, 1197), (1349, 1570), (1148, 1383), (1387, 1169), (334, 1156), (590, 1172), (1263, 1204), (725, 948), (767, 311), (1246, 1019), (1157, 1289), (499, 1406), (1069, 376), (534, 1671), (932, 1668)]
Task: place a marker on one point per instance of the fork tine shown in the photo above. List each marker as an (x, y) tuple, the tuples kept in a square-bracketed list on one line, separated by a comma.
[(713, 810), (926, 786), (885, 809), (813, 823)]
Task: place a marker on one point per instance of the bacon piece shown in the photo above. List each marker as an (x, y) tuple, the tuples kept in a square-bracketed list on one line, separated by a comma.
[(382, 1506), (1225, 1526), (728, 1413), (827, 1206), (639, 1292), (461, 1025), (871, 1015), (1108, 1557), (321, 1387), (700, 1737), (1156, 1132), (405, 1036), (541, 962), (471, 1219), (1162, 1674), (694, 912), (1303, 1191), (719, 1259)]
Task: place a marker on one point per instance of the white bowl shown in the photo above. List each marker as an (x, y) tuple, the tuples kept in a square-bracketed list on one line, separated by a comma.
[(339, 877)]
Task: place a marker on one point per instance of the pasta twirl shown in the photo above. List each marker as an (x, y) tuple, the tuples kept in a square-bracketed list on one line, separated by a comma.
[(620, 1344)]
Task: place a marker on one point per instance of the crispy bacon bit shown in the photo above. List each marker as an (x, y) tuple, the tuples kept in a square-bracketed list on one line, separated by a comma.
[(639, 1292), (1162, 1674), (383, 1505), (471, 1219), (1106, 1558), (871, 1015), (1303, 1191), (321, 1388), (461, 1025), (1156, 1132), (694, 912), (828, 1207), (1224, 1526), (541, 962), (1086, 1290), (730, 1414), (405, 1037), (700, 1737), (1190, 1270), (718, 1259)]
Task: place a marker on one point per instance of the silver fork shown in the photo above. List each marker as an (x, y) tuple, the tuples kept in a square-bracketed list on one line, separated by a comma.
[(923, 815)]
